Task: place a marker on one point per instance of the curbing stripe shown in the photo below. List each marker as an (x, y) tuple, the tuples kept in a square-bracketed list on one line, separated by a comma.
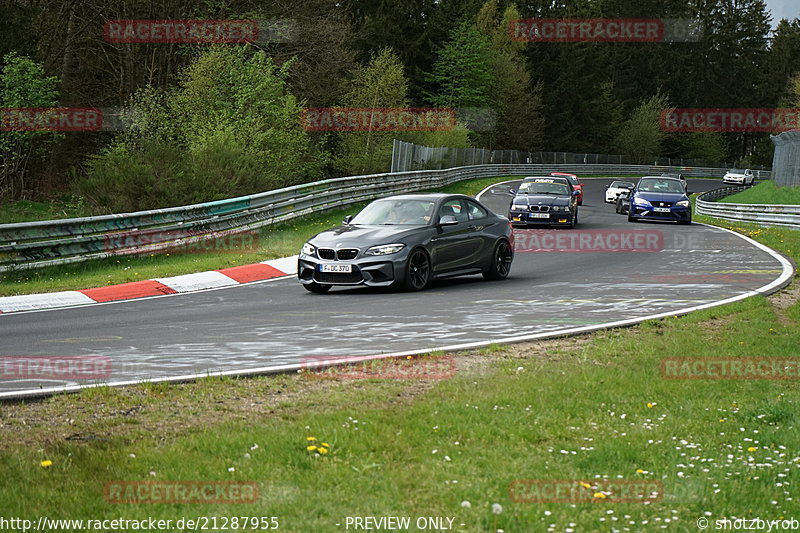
[(197, 281), (248, 273), (30, 302), (287, 265), (128, 291)]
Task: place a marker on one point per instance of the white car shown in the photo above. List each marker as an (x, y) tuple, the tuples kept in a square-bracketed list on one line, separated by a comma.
[(739, 177), (616, 187)]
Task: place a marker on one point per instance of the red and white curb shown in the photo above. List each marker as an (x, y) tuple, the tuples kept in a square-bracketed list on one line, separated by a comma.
[(214, 279)]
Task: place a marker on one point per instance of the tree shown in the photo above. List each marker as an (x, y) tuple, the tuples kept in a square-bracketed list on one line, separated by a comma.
[(641, 135), (784, 60), (513, 96), (23, 83), (462, 74), (381, 84), (230, 127)]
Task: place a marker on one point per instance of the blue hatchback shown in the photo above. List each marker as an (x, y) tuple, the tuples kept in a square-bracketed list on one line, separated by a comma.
[(660, 198)]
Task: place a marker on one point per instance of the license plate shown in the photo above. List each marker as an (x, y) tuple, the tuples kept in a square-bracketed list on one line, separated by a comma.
[(336, 268), (661, 209), (539, 215)]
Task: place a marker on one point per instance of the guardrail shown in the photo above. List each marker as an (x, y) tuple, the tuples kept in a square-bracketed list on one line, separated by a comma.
[(777, 215), (51, 242)]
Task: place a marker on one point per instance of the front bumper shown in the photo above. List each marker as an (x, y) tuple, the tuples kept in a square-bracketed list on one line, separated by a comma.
[(368, 271), (646, 213), (560, 218), (734, 180)]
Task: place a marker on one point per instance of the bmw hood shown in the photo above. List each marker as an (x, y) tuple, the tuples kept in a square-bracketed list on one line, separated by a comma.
[(540, 199), (360, 236)]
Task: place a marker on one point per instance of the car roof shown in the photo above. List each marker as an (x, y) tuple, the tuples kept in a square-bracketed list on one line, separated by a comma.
[(659, 178), (546, 179), (432, 196)]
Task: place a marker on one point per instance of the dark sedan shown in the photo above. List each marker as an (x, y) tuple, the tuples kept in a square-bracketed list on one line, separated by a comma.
[(406, 241), (551, 201), (659, 198)]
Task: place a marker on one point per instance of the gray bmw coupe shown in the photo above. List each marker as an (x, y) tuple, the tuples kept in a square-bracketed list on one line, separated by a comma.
[(406, 241)]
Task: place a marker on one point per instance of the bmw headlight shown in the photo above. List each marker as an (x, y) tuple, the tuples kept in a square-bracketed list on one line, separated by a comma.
[(682, 203), (385, 249), (309, 249), (519, 207), (557, 208), (641, 201)]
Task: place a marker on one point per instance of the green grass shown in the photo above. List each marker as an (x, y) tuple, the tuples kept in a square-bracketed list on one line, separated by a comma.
[(576, 409), (766, 192), (279, 240), (28, 211), (598, 410)]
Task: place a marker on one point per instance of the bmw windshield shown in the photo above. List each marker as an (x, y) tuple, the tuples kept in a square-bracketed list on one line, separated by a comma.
[(534, 187), (395, 212), (659, 185)]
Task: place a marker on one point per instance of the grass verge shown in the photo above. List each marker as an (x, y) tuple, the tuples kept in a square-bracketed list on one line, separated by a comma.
[(593, 409), (765, 192)]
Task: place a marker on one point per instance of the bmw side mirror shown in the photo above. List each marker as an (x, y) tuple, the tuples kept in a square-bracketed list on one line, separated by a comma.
[(512, 192), (448, 220), (347, 220), (576, 193), (607, 186)]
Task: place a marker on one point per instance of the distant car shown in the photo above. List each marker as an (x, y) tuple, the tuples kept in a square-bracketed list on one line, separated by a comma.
[(616, 187), (739, 177), (407, 241), (623, 202), (576, 183), (678, 176), (659, 198), (544, 200)]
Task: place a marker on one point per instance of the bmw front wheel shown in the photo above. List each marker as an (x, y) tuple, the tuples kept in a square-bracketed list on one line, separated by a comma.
[(418, 271)]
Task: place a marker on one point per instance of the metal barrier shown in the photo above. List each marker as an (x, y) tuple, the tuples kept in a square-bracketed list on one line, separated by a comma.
[(776, 215), (409, 156), (51, 242)]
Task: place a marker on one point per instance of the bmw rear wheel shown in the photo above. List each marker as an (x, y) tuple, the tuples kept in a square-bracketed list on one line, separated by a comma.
[(418, 271), (501, 262)]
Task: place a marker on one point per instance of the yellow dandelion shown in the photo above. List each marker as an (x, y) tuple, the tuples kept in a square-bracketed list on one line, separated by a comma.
[(585, 485), (599, 495), (311, 439), (639, 471), (326, 444), (311, 448), (46, 463), (323, 451), (650, 405), (752, 449)]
